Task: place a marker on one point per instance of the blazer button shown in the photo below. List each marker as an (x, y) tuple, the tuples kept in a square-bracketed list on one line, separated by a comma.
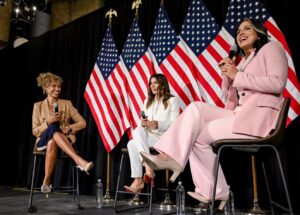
[(243, 94)]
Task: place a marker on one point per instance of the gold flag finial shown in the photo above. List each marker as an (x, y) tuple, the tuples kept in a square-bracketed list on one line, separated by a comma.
[(110, 14), (136, 5)]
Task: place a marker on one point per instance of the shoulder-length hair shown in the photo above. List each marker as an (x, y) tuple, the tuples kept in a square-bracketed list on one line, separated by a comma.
[(163, 90), (261, 31)]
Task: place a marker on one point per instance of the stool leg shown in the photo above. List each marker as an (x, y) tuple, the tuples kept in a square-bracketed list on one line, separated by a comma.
[(31, 208), (118, 182), (77, 188), (284, 183), (290, 209), (215, 181), (268, 188), (73, 185), (150, 198)]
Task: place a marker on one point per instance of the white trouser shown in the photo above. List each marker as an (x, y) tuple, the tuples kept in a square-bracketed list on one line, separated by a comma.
[(141, 142)]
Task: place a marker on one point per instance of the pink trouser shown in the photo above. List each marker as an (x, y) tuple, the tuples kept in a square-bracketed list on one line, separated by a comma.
[(190, 136)]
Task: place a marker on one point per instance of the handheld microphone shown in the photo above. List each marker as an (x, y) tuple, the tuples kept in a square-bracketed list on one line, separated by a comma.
[(232, 51), (55, 107), (143, 115)]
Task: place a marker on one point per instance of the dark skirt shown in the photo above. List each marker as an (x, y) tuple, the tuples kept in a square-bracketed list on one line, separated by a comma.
[(47, 135)]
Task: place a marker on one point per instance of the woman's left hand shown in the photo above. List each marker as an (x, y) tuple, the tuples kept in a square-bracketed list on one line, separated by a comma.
[(152, 124), (67, 130), (228, 68)]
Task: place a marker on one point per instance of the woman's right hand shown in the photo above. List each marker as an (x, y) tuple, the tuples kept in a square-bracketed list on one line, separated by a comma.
[(144, 122), (54, 117)]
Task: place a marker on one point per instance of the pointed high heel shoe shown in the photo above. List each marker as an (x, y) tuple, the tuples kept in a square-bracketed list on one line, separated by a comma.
[(201, 198), (156, 163), (46, 189), (132, 189), (87, 167), (148, 178)]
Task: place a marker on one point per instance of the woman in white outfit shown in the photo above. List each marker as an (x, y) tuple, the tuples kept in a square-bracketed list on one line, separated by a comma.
[(160, 110)]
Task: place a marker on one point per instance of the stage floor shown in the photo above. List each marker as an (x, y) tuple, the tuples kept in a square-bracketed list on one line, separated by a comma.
[(15, 200)]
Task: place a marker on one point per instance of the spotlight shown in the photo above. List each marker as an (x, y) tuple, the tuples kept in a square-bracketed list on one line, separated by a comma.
[(33, 11), (24, 13), (3, 2)]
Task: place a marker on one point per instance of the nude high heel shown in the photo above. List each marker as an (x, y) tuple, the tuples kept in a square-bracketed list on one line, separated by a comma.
[(157, 164), (87, 168), (222, 204), (46, 189), (132, 189), (201, 198)]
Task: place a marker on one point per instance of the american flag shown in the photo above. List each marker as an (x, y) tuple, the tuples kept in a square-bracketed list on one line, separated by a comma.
[(106, 95), (200, 37), (170, 58), (237, 10), (139, 69)]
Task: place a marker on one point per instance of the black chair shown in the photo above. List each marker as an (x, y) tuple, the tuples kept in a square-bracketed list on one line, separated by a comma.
[(74, 187), (255, 146), (119, 190)]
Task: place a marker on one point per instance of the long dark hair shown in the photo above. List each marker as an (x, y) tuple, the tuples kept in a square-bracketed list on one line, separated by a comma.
[(163, 90), (261, 31)]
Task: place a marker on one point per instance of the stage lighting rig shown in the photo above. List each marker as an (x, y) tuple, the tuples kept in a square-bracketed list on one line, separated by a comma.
[(3, 2), (25, 10)]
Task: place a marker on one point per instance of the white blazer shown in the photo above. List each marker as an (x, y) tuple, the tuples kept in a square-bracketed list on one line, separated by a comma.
[(164, 117)]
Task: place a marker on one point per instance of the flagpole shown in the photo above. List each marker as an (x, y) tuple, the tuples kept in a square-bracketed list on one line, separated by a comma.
[(135, 6), (107, 197), (167, 204), (255, 209)]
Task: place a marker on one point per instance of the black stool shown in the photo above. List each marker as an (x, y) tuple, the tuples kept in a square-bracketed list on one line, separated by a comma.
[(118, 190), (72, 188)]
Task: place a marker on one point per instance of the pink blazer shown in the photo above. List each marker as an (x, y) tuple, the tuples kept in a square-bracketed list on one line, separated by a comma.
[(260, 82), (69, 116)]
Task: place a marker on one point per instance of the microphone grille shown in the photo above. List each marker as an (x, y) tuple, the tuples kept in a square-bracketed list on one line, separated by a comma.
[(55, 107)]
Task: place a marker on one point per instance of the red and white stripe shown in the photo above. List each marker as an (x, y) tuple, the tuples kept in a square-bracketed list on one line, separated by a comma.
[(108, 102), (137, 86), (178, 69)]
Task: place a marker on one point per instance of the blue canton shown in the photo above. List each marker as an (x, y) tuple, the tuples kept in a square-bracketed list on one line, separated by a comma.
[(164, 38), (134, 47), (239, 9), (199, 27), (108, 56)]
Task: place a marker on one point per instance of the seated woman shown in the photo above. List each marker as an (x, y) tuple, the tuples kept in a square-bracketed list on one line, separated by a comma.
[(51, 124), (160, 109), (253, 90)]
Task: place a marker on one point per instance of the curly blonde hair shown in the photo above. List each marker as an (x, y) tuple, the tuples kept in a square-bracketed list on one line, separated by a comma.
[(45, 79)]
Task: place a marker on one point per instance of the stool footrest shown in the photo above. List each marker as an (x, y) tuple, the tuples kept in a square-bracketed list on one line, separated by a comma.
[(140, 194)]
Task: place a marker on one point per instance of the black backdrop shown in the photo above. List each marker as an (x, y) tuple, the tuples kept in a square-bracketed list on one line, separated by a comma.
[(71, 51)]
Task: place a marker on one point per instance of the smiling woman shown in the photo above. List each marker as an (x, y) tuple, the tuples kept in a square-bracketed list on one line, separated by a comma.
[(253, 91), (51, 124), (159, 111)]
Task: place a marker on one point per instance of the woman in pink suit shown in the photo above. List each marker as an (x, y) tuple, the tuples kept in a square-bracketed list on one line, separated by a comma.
[(253, 92)]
